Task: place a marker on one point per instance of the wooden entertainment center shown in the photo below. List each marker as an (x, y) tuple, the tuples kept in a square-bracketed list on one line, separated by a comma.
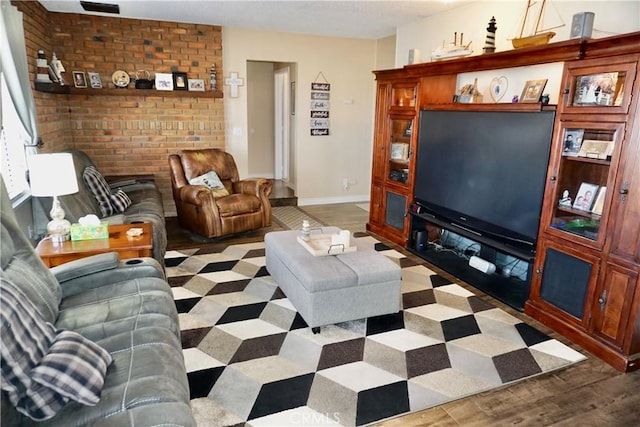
[(584, 279)]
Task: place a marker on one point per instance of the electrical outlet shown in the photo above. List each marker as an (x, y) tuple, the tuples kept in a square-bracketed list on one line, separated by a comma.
[(345, 183)]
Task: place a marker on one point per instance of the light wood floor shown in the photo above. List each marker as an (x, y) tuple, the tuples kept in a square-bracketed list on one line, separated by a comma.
[(590, 393)]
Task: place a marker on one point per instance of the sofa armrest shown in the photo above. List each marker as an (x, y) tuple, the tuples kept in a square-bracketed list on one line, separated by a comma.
[(260, 187), (99, 270)]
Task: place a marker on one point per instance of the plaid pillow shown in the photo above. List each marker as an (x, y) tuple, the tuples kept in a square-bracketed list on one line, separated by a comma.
[(43, 368), (109, 203), (119, 201)]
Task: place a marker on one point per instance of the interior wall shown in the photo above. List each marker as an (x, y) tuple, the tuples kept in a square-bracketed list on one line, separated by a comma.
[(322, 161), (385, 53), (134, 132), (260, 119), (611, 17)]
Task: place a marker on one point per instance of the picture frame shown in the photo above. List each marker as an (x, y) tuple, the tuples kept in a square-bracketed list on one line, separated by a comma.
[(180, 81), (164, 81), (598, 205), (533, 90), (585, 197), (79, 79), (196, 85), (95, 81), (598, 89), (572, 141), (596, 149), (400, 151)]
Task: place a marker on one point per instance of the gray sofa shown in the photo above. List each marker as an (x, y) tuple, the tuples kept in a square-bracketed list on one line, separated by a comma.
[(145, 196), (126, 307)]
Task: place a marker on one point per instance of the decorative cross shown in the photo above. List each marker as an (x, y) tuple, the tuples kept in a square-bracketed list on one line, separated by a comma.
[(234, 82)]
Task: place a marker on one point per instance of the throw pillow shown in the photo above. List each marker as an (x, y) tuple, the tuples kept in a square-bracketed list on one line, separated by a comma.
[(44, 368), (211, 180), (109, 203)]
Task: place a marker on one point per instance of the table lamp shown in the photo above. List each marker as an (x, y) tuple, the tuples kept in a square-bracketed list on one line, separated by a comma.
[(53, 175)]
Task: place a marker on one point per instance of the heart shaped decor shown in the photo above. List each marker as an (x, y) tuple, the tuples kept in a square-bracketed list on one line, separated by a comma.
[(498, 88)]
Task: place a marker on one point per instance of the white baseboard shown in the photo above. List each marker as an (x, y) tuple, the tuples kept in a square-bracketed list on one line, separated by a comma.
[(331, 200)]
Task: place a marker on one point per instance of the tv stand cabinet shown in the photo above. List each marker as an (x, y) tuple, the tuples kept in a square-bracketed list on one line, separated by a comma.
[(585, 284), (510, 290)]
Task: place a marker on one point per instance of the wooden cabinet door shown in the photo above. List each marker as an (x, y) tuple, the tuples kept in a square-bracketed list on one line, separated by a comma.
[(612, 304), (625, 241), (565, 281), (375, 205)]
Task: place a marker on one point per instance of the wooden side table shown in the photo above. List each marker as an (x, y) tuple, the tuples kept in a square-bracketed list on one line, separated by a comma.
[(128, 247)]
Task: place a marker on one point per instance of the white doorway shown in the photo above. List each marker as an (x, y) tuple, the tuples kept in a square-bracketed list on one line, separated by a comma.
[(282, 107)]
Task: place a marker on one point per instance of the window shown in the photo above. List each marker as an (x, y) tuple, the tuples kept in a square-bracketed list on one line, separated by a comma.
[(12, 139)]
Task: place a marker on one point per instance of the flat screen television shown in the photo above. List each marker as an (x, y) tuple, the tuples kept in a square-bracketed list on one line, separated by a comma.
[(485, 171)]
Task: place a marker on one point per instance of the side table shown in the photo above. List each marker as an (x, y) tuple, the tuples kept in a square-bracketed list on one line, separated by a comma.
[(128, 247)]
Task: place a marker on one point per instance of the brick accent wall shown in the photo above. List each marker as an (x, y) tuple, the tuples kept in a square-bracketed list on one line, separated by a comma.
[(135, 131)]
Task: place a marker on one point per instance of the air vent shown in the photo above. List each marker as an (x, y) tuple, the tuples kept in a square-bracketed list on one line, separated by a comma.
[(100, 7)]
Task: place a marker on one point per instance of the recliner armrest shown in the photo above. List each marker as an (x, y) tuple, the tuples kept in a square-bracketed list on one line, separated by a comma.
[(195, 194), (99, 270), (254, 186)]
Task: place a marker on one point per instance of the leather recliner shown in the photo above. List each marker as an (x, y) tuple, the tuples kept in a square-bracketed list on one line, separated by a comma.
[(202, 211)]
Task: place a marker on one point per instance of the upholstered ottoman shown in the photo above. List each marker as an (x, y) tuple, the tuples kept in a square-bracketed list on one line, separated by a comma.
[(335, 288)]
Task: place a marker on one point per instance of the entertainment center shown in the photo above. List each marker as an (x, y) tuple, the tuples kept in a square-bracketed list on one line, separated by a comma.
[(505, 198)]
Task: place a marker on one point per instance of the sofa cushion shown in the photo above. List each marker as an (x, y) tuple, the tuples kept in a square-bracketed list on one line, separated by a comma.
[(44, 368), (109, 203)]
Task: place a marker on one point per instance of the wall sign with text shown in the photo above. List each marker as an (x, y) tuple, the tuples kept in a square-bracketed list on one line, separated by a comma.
[(320, 96)]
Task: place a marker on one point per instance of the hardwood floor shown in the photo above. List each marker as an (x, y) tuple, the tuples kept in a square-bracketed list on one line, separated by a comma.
[(590, 393)]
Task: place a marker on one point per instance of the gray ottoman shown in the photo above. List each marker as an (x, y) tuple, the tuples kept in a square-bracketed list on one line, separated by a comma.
[(335, 288)]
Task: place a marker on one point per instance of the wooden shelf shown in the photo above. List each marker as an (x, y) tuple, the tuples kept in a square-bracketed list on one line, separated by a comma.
[(68, 90)]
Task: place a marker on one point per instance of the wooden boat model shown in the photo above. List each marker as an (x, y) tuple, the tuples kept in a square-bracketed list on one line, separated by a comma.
[(534, 40), (452, 50), (539, 37)]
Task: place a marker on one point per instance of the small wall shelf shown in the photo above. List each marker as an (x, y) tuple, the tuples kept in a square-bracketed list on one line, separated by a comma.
[(68, 90)]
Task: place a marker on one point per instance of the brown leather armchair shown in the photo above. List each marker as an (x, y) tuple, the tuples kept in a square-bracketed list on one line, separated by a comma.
[(202, 211)]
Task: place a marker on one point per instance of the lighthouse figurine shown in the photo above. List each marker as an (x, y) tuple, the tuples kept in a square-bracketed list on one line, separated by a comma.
[(490, 41)]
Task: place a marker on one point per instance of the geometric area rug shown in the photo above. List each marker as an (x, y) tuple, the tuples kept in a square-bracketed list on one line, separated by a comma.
[(252, 360)]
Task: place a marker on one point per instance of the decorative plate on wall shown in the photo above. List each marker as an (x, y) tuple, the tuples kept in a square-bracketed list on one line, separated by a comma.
[(120, 78)]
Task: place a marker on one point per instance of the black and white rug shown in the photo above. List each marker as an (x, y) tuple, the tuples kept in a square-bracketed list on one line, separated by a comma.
[(252, 360)]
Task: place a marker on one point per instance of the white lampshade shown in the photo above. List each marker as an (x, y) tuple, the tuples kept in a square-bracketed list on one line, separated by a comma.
[(52, 174)]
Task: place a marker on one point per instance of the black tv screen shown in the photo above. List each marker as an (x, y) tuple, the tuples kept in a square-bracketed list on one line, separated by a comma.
[(485, 170)]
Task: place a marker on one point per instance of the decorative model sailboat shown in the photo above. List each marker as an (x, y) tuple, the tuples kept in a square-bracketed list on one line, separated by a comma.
[(452, 50), (539, 37)]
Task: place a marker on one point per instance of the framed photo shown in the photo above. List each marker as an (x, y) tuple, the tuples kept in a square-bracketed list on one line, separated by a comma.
[(196, 85), (598, 89), (585, 197), (180, 81), (79, 79), (399, 151), (164, 81), (572, 142), (533, 90), (94, 80), (595, 149), (599, 203)]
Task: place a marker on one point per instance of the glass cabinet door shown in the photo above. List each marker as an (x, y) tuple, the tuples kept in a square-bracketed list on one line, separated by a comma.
[(399, 150), (599, 88), (403, 95), (585, 173)]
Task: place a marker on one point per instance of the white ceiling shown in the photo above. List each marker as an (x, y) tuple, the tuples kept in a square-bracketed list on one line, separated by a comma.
[(370, 19)]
